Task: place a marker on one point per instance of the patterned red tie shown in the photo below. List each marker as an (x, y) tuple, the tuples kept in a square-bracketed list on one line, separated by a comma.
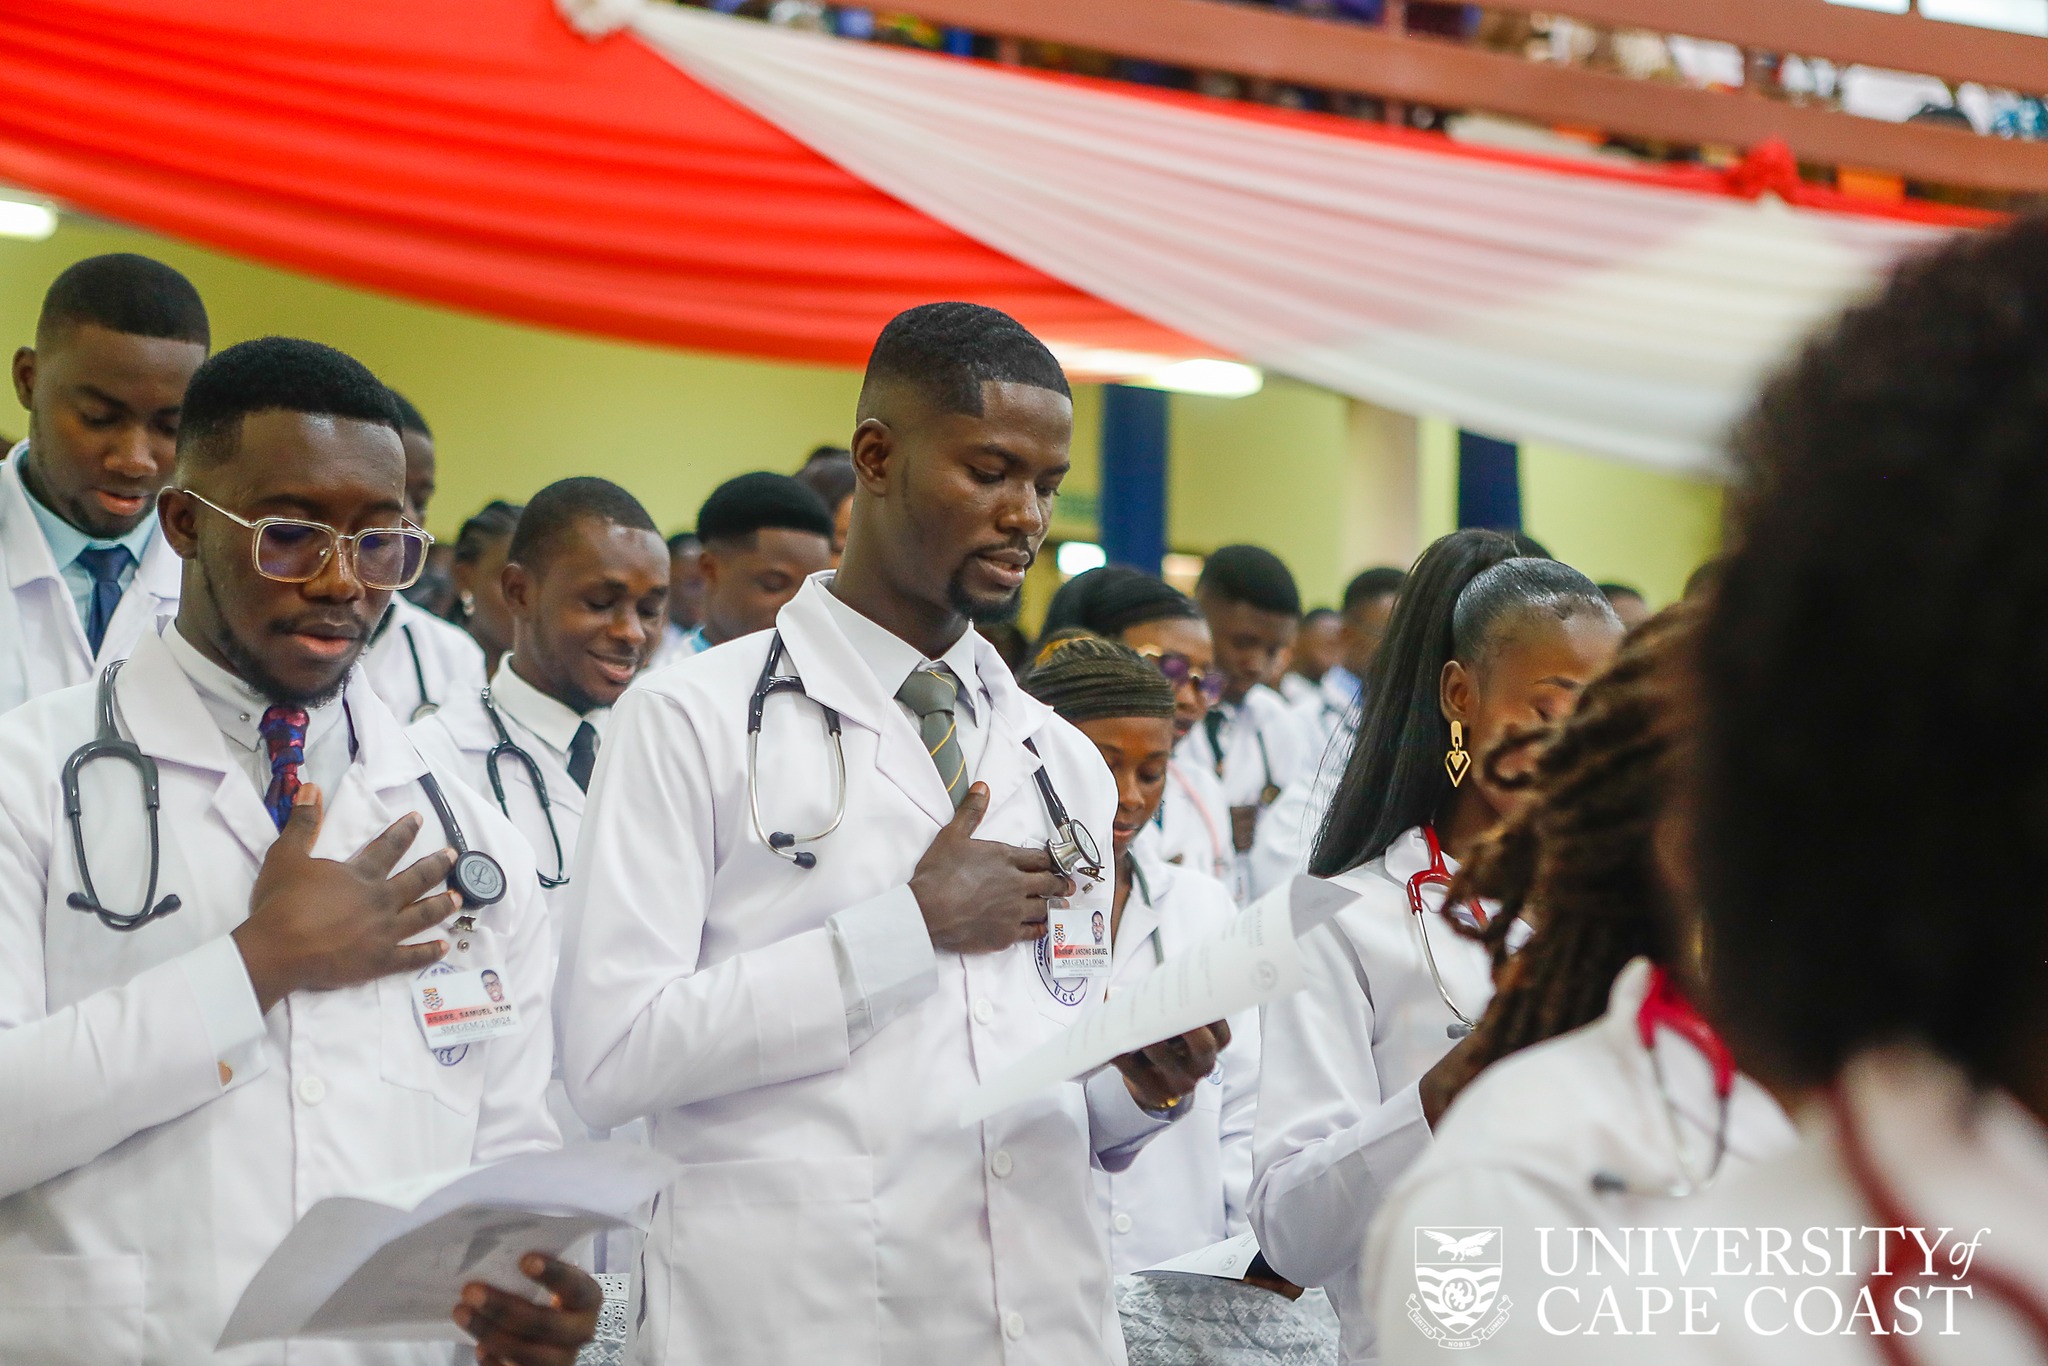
[(284, 731)]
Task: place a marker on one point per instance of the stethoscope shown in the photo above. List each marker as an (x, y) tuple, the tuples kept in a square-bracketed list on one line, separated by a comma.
[(476, 877), (504, 747), (1073, 850), (427, 706), (1438, 874), (1665, 1007)]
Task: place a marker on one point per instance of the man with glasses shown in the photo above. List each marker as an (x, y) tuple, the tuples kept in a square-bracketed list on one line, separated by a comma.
[(83, 572), (180, 1087)]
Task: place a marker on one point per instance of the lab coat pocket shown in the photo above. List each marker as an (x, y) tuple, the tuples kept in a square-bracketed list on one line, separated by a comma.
[(71, 1311), (452, 1076), (774, 1260)]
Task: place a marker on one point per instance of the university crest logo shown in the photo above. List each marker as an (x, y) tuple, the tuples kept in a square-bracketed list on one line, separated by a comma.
[(1458, 1303)]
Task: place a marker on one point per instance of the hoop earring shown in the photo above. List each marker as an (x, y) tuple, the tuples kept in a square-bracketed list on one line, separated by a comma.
[(1456, 761)]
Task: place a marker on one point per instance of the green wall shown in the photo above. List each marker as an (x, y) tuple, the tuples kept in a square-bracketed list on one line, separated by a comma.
[(514, 407)]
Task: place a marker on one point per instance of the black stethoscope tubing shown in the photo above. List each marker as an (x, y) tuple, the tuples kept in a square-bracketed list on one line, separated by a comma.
[(506, 746), (476, 878)]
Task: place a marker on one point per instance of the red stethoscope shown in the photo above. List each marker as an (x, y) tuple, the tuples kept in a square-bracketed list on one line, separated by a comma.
[(1438, 874), (1665, 1007), (1892, 1215)]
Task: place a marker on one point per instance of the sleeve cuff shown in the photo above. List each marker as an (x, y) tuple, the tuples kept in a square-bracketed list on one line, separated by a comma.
[(885, 960), (1117, 1125), (219, 982)]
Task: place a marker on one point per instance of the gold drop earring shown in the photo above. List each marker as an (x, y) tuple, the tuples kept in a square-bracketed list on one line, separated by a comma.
[(1456, 760)]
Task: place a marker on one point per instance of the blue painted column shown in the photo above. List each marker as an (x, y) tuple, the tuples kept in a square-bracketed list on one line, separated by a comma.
[(1132, 516), (1489, 482)]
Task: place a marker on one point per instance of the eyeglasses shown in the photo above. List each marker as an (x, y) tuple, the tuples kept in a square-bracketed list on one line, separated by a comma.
[(290, 550), (1180, 671)]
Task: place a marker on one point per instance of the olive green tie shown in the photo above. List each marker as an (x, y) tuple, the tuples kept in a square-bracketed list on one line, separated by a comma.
[(930, 695)]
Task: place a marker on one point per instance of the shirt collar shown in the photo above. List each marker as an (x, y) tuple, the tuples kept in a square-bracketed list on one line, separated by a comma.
[(893, 659), (547, 717), (234, 706), (66, 540)]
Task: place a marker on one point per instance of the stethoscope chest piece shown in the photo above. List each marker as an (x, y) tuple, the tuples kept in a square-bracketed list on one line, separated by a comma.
[(478, 879)]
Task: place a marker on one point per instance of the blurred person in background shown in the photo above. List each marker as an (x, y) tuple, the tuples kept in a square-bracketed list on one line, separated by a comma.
[(1629, 604), (1318, 647), (84, 570), (685, 599), (1359, 1065), (828, 472), (763, 535), (480, 550), (1161, 623)]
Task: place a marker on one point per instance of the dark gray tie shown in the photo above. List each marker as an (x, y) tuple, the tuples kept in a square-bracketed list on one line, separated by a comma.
[(583, 755), (931, 694)]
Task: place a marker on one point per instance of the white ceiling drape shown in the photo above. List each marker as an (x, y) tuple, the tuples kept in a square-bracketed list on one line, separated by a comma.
[(1518, 299)]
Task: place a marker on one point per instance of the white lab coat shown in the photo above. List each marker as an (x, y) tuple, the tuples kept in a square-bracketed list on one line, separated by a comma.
[(1325, 711), (42, 642), (1522, 1148), (831, 1206), (1972, 1163), (1193, 829), (1286, 837), (414, 646), (140, 1193), (1340, 1117), (1264, 749), (1187, 1189)]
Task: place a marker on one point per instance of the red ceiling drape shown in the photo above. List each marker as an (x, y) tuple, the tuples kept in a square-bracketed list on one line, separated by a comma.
[(481, 155)]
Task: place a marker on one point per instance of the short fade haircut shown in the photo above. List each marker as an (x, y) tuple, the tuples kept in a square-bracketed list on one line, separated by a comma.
[(761, 501), (684, 540), (409, 418), (1316, 614), (949, 351), (829, 474), (1382, 581), (1622, 590), (286, 373), (127, 293), (552, 513), (1251, 575)]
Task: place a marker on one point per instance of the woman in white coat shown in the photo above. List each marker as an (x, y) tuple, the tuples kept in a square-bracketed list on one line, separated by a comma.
[(1192, 825), (1358, 1065), (1871, 870), (1581, 1120), (1187, 1189)]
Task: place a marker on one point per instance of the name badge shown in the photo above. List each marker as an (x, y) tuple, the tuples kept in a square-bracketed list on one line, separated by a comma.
[(460, 1005), (1078, 940)]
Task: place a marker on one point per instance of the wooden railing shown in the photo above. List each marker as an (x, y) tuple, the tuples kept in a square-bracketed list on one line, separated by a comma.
[(1384, 61)]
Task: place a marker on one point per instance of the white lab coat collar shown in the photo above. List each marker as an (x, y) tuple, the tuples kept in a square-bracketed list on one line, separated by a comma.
[(159, 572), (836, 676), (552, 722), (1953, 1156), (236, 708)]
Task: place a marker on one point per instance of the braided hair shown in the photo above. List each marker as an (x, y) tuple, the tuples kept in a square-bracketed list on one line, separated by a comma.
[(1086, 677), (1577, 858), (1110, 600)]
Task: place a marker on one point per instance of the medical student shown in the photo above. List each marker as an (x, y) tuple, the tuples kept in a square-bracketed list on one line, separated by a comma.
[(417, 662), (1280, 848), (480, 550), (1317, 648), (86, 573), (1890, 969), (1187, 1189), (1359, 1064), (1607, 1099), (685, 599), (828, 472), (224, 1032), (1250, 739), (802, 982), (1192, 827), (763, 535)]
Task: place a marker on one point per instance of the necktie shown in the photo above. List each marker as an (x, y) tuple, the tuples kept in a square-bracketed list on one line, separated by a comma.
[(583, 755), (284, 732), (930, 695), (1214, 723), (105, 564)]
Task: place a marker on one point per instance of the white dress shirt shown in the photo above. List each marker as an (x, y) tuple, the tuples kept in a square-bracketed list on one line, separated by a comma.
[(159, 1135), (1264, 749), (238, 710), (1340, 1112)]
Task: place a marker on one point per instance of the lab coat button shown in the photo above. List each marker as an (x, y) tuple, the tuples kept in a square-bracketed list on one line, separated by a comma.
[(1013, 1325), (984, 1011), (1122, 1223), (312, 1090), (1001, 1164)]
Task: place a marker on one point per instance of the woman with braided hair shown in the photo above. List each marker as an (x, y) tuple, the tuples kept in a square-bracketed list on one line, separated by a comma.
[(1187, 1188), (1359, 1064), (1611, 1095)]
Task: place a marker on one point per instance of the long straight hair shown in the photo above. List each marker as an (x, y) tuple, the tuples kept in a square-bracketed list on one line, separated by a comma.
[(1395, 778)]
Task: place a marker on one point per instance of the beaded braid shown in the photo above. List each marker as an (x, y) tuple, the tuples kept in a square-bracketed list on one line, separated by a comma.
[(1576, 861), (1086, 677)]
